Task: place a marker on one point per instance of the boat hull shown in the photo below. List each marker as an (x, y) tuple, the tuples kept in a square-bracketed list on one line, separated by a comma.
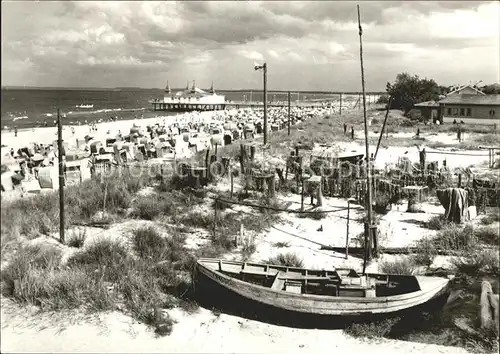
[(229, 291)]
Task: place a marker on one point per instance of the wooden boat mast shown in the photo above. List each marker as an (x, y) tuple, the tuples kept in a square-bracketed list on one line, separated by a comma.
[(368, 222)]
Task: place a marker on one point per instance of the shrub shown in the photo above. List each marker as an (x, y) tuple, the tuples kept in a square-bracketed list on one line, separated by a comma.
[(453, 237), (403, 266), (288, 259), (77, 238), (382, 202), (147, 208), (490, 219), (281, 244), (103, 252), (487, 235), (248, 246), (426, 252), (150, 245), (478, 262), (437, 222)]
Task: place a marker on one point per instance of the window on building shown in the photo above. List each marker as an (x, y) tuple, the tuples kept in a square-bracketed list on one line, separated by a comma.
[(455, 111), (462, 112), (449, 111), (492, 113), (469, 112)]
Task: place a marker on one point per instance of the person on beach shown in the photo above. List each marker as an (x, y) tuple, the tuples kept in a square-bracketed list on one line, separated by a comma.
[(459, 134), (15, 132), (422, 155), (352, 132)]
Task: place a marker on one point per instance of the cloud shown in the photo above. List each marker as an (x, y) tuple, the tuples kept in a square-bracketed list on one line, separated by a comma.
[(253, 55), (308, 45)]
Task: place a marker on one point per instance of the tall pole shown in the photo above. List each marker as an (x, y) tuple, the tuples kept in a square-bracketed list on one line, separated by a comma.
[(383, 127), (340, 106), (265, 102), (61, 177), (289, 99), (368, 182)]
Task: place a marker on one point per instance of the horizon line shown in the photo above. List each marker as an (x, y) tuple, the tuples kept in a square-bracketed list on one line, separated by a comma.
[(173, 89)]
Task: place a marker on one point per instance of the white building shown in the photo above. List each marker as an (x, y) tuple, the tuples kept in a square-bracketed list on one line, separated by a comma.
[(193, 95)]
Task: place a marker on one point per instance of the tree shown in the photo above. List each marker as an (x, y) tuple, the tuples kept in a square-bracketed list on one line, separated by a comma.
[(408, 90), (493, 89)]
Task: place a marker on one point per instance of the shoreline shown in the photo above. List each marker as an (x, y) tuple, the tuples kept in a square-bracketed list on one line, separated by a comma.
[(47, 135)]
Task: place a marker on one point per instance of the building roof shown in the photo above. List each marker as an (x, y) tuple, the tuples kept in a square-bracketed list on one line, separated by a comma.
[(472, 100), (427, 104), (479, 92)]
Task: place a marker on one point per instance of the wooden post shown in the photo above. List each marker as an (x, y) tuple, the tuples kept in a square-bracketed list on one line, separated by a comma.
[(302, 195), (289, 99), (61, 176), (340, 106), (216, 149), (242, 158), (320, 193), (383, 126), (252, 153), (347, 230), (459, 180), (272, 186), (215, 217), (231, 173), (207, 157)]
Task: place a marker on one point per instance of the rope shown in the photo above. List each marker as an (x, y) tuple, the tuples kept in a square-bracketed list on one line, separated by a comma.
[(302, 238), (278, 209), (454, 153)]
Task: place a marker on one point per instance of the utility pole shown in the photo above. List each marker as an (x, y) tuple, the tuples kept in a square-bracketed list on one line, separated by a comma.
[(61, 176), (264, 69), (265, 103), (289, 98), (368, 224)]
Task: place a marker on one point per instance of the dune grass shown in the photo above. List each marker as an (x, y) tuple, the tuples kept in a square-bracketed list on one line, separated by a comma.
[(403, 266), (288, 259)]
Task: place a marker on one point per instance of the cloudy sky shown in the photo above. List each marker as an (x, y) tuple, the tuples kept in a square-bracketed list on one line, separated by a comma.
[(307, 45)]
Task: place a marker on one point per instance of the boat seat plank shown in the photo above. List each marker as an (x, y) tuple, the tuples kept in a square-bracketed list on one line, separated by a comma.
[(256, 272), (278, 282), (308, 278)]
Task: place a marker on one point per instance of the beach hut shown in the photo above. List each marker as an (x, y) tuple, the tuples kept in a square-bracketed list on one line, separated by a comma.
[(217, 140), (228, 139), (48, 177), (162, 149), (95, 147), (7, 183), (137, 130), (141, 152), (119, 152), (102, 163), (131, 150), (110, 141), (163, 138), (72, 170)]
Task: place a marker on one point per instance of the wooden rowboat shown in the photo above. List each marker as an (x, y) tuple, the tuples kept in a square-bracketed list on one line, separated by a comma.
[(338, 292)]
